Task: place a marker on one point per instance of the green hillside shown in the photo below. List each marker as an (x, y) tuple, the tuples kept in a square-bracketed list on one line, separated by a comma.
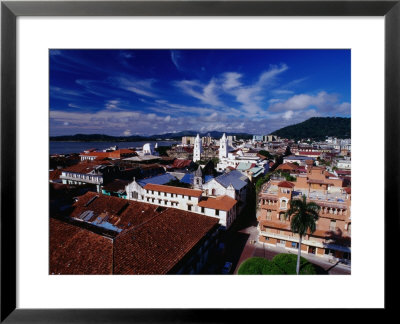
[(317, 128)]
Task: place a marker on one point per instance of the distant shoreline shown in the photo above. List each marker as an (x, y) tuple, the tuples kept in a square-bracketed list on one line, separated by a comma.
[(112, 141)]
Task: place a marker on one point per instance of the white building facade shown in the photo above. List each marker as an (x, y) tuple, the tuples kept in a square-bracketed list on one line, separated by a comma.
[(197, 149), (192, 200)]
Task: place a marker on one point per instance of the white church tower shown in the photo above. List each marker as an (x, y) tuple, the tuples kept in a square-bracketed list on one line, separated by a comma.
[(223, 147), (197, 149)]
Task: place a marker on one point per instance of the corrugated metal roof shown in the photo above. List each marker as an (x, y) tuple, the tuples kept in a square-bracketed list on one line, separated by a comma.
[(189, 178), (234, 177), (257, 171), (160, 179), (243, 166)]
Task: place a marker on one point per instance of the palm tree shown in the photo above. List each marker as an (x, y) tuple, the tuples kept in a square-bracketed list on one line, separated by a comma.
[(303, 216)]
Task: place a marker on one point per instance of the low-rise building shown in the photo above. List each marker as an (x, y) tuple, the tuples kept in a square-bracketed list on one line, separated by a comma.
[(89, 172), (116, 154), (299, 159), (109, 235)]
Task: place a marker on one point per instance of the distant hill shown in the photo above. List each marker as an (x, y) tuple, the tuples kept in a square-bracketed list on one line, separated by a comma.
[(317, 128), (136, 138)]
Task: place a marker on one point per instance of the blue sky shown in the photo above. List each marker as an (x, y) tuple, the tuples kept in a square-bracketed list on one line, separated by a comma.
[(146, 92)]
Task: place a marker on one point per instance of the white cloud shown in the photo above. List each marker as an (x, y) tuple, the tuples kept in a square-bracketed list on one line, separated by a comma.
[(127, 132), (231, 80), (288, 115), (112, 104), (141, 87), (324, 102)]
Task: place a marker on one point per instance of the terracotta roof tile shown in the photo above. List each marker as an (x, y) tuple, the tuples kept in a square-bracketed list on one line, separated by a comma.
[(180, 163), (275, 224), (220, 202), (175, 190), (152, 241), (84, 167), (287, 166), (55, 174), (157, 245), (74, 250), (285, 184)]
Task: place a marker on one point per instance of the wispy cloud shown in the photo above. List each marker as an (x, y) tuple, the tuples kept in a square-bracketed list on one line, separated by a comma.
[(206, 93), (176, 56)]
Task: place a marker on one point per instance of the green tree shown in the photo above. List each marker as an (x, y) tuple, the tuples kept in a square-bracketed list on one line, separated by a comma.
[(303, 216), (287, 151), (266, 154)]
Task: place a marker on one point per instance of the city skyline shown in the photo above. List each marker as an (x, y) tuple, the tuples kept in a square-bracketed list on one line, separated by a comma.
[(146, 92)]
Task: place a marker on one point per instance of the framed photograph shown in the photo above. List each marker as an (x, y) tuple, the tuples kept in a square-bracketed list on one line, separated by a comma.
[(150, 148)]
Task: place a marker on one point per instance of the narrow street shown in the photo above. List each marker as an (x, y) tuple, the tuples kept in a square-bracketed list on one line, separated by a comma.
[(241, 242)]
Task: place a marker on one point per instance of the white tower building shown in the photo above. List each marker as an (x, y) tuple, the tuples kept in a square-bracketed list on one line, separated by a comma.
[(223, 147), (147, 149), (197, 149)]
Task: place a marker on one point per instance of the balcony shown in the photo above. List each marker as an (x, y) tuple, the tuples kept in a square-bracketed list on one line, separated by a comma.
[(86, 178), (292, 239), (270, 207)]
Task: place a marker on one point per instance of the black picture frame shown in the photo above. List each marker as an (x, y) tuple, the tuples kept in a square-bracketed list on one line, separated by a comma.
[(10, 10)]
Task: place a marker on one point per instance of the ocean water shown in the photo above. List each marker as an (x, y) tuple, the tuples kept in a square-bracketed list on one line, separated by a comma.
[(78, 147)]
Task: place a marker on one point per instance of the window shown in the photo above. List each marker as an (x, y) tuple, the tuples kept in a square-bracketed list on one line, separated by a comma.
[(189, 207), (283, 204), (267, 238), (295, 245), (190, 198), (282, 217), (268, 214), (202, 209), (134, 195), (332, 225), (217, 212)]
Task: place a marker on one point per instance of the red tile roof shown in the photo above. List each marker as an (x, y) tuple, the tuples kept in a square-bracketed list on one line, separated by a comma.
[(328, 174), (275, 224), (221, 202), (175, 190), (285, 184), (84, 167), (157, 245), (55, 174), (180, 163), (99, 204), (153, 240), (287, 166), (74, 250), (113, 154), (310, 153)]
